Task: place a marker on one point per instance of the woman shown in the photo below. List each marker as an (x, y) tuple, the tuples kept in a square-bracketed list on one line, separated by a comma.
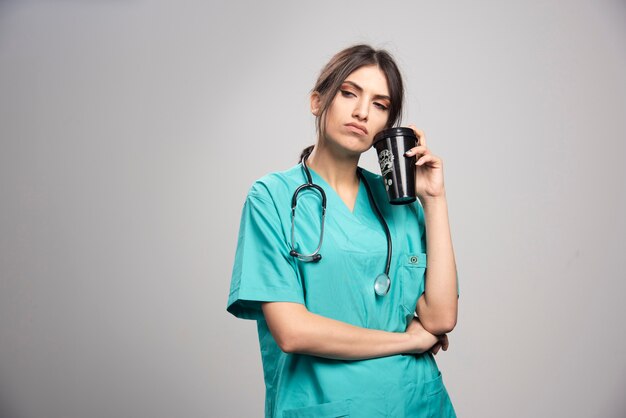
[(333, 345)]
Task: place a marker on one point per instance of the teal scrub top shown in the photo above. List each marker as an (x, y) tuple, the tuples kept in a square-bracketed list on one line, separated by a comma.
[(340, 286)]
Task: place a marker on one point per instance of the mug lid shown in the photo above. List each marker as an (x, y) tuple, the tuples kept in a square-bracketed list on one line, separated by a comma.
[(391, 132)]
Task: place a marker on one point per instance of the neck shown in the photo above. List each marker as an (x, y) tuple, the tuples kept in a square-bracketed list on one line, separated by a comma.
[(338, 171)]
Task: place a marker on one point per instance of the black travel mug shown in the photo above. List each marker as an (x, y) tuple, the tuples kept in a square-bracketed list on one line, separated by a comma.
[(398, 171)]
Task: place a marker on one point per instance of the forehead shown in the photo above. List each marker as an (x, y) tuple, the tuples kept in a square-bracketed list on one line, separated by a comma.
[(370, 78)]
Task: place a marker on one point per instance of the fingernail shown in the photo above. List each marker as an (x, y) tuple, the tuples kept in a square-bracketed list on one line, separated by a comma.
[(409, 152)]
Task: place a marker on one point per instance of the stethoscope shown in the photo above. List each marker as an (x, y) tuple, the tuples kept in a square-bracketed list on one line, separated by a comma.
[(382, 283)]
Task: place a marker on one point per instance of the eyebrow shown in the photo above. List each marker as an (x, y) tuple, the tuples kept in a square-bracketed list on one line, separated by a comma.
[(360, 89)]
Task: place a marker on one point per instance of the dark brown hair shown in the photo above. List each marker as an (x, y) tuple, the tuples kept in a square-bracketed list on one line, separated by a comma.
[(343, 64)]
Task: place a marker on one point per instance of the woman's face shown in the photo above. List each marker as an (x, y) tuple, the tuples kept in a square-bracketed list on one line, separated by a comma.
[(359, 110)]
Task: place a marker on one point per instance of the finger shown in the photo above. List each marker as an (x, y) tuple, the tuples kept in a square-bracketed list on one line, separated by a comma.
[(419, 150), (421, 137), (435, 348), (445, 343), (426, 158)]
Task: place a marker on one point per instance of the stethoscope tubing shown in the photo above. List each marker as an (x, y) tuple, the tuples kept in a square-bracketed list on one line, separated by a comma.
[(380, 218), (315, 256)]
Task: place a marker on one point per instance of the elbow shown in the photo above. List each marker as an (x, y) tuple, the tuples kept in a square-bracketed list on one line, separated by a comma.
[(448, 326), (440, 326), (288, 341), (287, 346), (288, 324)]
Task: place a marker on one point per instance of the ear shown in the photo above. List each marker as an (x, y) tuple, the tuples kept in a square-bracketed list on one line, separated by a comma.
[(316, 102)]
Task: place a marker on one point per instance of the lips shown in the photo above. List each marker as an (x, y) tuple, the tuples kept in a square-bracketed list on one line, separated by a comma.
[(355, 127)]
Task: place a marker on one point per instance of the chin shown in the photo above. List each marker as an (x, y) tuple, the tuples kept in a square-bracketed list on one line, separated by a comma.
[(357, 150), (352, 145)]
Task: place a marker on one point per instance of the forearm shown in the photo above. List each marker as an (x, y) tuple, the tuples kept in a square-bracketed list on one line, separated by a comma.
[(296, 330), (437, 308)]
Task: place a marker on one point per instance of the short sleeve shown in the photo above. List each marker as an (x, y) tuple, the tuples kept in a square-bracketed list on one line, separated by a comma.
[(263, 270)]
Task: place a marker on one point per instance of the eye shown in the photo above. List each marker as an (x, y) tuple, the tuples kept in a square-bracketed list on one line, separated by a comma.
[(346, 93), (380, 106)]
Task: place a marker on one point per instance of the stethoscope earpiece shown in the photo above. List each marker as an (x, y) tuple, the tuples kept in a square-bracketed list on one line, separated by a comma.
[(311, 258)]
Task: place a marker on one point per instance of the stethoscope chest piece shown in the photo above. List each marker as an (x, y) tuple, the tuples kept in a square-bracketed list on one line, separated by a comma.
[(382, 284)]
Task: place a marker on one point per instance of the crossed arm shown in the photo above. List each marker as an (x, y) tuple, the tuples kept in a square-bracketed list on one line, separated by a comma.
[(296, 330)]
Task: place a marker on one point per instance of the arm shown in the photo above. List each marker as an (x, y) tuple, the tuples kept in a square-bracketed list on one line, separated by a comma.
[(296, 330), (437, 308)]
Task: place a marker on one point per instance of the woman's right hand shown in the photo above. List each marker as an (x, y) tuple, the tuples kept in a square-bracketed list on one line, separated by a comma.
[(427, 341)]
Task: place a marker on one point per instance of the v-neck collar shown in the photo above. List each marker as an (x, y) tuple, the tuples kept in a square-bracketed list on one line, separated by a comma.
[(334, 196)]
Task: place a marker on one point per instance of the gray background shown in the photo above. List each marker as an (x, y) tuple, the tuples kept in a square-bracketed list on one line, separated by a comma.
[(132, 130)]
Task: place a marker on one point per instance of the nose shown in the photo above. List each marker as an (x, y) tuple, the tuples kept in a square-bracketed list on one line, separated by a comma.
[(361, 110)]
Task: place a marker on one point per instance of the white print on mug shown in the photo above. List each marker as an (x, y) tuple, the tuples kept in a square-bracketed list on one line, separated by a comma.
[(385, 159)]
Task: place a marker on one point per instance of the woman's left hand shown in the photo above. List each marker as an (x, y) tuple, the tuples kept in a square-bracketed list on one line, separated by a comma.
[(442, 343), (428, 169)]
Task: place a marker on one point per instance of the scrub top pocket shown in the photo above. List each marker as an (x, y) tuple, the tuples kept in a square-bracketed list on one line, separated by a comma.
[(336, 409), (413, 269), (439, 404)]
